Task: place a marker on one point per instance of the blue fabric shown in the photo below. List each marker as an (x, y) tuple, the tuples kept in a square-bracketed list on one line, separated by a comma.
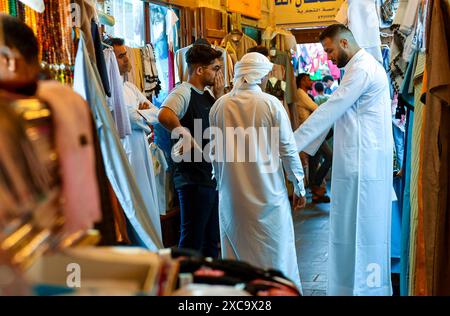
[(406, 210), (399, 142), (118, 169), (162, 136), (386, 53), (396, 227), (407, 90)]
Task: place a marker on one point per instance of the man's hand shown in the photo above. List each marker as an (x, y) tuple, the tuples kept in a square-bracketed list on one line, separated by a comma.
[(144, 106), (219, 84), (186, 142), (298, 202)]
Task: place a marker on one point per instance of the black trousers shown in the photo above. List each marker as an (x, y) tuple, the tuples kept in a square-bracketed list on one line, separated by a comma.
[(199, 219), (324, 157)]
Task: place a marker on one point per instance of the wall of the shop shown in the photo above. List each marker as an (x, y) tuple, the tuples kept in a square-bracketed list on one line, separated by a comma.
[(209, 19), (267, 6)]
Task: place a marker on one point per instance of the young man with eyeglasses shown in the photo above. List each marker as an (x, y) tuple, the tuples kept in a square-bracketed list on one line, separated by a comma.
[(186, 107)]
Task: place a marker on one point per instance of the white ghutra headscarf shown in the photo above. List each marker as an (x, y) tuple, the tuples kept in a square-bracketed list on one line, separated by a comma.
[(250, 69)]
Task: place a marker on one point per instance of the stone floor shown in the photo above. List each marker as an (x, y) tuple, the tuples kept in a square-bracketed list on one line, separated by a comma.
[(311, 233)]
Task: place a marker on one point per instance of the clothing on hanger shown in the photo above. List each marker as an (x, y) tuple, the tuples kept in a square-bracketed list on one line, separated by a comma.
[(117, 101), (118, 170), (239, 42)]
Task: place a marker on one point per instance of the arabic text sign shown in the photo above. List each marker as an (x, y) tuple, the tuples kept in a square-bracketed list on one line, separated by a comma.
[(306, 11)]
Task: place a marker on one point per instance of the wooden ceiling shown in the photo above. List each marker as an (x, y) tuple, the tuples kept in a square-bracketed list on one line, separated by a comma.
[(304, 36)]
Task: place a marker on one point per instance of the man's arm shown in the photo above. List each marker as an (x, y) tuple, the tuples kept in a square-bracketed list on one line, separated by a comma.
[(168, 119), (289, 155), (321, 120)]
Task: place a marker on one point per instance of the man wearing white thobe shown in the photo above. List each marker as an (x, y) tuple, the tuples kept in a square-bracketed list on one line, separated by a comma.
[(361, 186), (142, 114), (254, 211)]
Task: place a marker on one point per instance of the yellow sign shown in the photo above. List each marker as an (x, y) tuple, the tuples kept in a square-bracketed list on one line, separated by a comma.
[(306, 11), (250, 8)]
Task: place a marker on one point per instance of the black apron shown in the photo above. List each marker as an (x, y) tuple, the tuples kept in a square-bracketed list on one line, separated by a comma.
[(195, 173)]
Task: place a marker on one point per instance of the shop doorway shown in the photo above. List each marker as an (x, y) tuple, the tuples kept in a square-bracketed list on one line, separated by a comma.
[(164, 35)]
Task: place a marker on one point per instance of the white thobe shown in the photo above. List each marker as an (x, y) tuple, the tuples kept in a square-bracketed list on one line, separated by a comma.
[(255, 217), (361, 184), (140, 155)]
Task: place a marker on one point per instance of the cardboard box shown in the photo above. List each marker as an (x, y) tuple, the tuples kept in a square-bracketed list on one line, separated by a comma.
[(99, 270)]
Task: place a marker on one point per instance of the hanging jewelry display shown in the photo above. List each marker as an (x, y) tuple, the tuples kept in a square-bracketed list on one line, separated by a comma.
[(4, 6), (13, 7), (54, 34)]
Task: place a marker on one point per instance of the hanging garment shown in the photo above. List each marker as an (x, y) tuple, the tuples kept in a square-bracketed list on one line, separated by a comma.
[(334, 70), (87, 83), (171, 66), (436, 151), (233, 55), (276, 84), (139, 72), (141, 158), (256, 224), (361, 188), (74, 143), (171, 30), (136, 74), (86, 14), (161, 169), (240, 46), (100, 58), (282, 58), (396, 229), (152, 82), (406, 208), (415, 198), (365, 26), (117, 101), (409, 16), (386, 12), (181, 67), (172, 41)]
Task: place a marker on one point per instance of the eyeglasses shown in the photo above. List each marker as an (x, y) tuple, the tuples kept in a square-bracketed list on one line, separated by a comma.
[(215, 68)]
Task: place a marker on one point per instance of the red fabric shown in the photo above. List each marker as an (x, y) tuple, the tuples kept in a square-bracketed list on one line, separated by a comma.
[(171, 69)]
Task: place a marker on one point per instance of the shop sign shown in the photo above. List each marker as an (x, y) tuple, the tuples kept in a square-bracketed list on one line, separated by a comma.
[(250, 8), (306, 11)]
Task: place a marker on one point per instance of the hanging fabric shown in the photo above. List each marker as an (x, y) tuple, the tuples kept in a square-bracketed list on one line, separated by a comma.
[(86, 82), (117, 101), (365, 26), (436, 150), (152, 83), (172, 41), (181, 67), (239, 42)]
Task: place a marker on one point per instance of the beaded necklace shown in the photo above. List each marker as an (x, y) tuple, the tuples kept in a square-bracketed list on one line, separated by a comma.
[(53, 29), (56, 50)]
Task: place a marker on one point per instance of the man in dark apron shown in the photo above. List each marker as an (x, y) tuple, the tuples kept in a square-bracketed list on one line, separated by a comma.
[(185, 113)]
